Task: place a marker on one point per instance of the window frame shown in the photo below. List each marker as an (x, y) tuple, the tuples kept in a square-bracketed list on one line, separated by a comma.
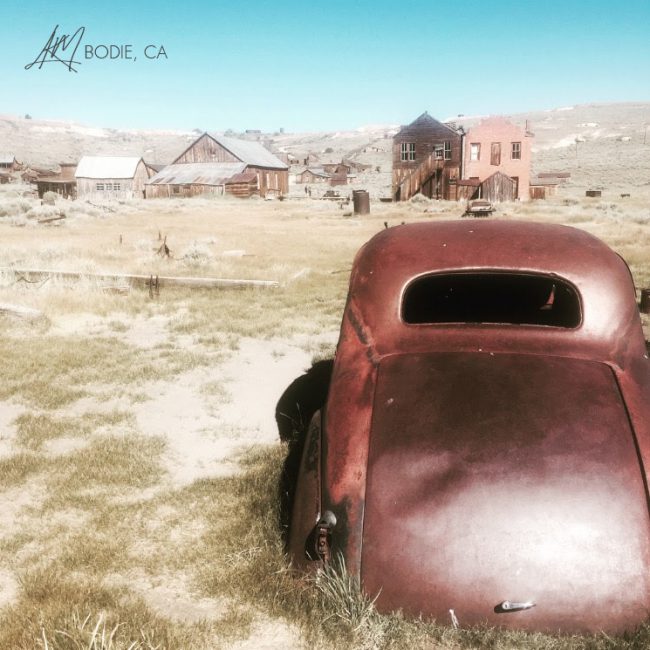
[(515, 150), (407, 151), (474, 147)]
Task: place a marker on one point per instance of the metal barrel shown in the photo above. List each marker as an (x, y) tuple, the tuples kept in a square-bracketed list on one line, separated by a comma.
[(361, 201)]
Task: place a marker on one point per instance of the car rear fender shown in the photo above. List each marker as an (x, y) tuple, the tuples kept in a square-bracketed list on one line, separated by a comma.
[(307, 504)]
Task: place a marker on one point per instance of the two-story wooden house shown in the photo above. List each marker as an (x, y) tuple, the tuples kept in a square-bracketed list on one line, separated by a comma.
[(426, 159)]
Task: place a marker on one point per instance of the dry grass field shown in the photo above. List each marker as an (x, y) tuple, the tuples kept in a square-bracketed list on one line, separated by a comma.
[(138, 450)]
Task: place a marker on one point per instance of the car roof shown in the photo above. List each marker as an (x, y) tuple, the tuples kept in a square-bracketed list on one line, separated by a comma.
[(394, 257)]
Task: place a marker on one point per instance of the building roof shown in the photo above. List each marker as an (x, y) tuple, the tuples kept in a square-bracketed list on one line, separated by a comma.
[(424, 121), (244, 177), (546, 181), (196, 174), (318, 171), (6, 158), (107, 167), (251, 153), (157, 167)]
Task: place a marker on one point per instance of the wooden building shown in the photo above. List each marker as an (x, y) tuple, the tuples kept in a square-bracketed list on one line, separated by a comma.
[(272, 175), (62, 183), (498, 187), (111, 177), (543, 187), (336, 168), (426, 159), (313, 175), (8, 162), (304, 159)]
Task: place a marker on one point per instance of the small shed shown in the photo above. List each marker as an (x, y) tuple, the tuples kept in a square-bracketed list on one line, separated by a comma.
[(498, 187), (314, 175), (111, 177), (542, 188)]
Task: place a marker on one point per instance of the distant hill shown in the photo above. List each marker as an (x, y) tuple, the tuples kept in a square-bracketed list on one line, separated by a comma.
[(610, 146)]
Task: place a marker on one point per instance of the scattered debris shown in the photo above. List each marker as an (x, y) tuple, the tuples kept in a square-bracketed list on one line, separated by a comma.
[(154, 287), (164, 251)]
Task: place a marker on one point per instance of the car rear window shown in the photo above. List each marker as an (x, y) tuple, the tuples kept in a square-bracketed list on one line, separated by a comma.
[(491, 297)]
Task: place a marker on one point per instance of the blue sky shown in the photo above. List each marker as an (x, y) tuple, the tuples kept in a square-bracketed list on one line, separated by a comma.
[(329, 66)]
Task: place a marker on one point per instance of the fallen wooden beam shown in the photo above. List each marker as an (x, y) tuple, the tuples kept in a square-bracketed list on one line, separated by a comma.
[(21, 311), (51, 219), (143, 280)]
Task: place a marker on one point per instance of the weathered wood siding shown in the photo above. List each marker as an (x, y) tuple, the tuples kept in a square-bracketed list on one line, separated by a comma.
[(181, 191), (498, 187), (271, 181), (205, 149), (242, 190), (433, 176)]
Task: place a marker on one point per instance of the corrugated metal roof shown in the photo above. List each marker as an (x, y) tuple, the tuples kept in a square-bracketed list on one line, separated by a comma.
[(196, 174), (107, 167), (252, 153), (6, 158)]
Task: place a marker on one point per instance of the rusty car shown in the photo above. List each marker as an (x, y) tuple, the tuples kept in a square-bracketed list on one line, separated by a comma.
[(482, 454)]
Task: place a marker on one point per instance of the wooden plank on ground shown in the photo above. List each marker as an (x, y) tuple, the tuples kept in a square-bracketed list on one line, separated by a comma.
[(143, 280)]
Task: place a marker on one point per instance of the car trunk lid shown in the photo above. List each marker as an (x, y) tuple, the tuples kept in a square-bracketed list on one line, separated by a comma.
[(509, 478)]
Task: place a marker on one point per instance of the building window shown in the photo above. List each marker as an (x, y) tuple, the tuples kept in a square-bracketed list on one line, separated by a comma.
[(495, 154), (176, 189), (474, 151), (99, 187), (447, 150), (439, 151), (408, 151), (516, 151), (117, 186), (109, 187)]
